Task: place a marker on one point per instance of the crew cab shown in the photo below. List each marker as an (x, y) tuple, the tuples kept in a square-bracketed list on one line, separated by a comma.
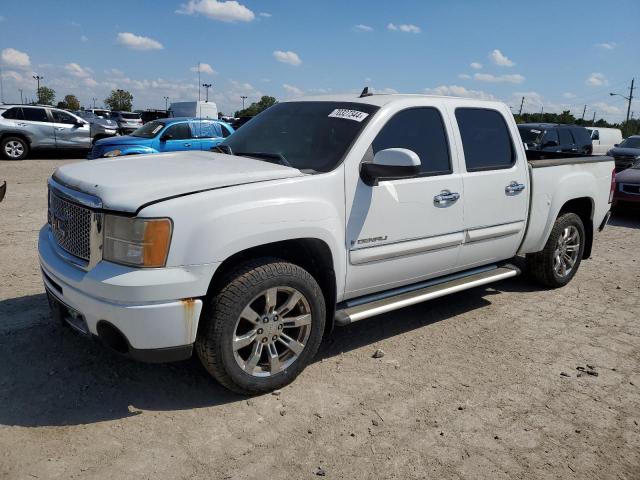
[(318, 213)]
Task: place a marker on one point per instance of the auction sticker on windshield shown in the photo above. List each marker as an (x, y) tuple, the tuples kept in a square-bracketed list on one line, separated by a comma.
[(349, 114)]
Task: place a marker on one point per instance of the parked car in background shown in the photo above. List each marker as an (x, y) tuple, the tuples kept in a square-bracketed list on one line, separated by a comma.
[(24, 128), (100, 127), (166, 135), (604, 139), (127, 121), (627, 192), (555, 137), (100, 112), (323, 212), (626, 153), (150, 115), (199, 109)]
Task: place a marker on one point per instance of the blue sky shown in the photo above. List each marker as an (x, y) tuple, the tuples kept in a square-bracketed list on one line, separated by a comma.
[(559, 55)]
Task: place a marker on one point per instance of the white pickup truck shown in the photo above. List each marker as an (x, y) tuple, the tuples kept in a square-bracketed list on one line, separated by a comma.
[(319, 212)]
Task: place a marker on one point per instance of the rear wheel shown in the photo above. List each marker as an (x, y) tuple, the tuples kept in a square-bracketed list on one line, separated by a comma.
[(558, 262), (263, 327), (14, 148)]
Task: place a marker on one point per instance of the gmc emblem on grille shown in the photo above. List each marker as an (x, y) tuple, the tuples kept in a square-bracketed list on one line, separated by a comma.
[(59, 225)]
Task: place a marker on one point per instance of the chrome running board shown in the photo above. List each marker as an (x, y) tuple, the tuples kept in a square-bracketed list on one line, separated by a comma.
[(371, 305)]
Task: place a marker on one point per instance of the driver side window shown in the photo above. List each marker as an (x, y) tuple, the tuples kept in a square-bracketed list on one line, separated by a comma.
[(550, 136), (179, 131), (63, 117)]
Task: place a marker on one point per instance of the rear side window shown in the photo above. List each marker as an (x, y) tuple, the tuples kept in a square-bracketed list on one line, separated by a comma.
[(485, 139), (225, 131), (14, 113), (595, 135), (565, 136), (581, 136), (422, 131), (550, 136), (35, 114)]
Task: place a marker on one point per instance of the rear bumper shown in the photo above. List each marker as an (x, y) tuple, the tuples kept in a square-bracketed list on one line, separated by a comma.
[(149, 315)]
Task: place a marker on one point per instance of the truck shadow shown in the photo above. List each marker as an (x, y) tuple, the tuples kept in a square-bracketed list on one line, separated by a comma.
[(50, 376), (626, 218)]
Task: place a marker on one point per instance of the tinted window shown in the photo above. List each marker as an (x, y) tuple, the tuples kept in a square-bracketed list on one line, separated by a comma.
[(311, 136), (631, 142), (62, 117), (565, 136), (581, 136), (595, 135), (530, 135), (205, 129), (14, 113), (35, 114), (179, 131), (225, 131), (550, 136), (422, 131), (485, 139)]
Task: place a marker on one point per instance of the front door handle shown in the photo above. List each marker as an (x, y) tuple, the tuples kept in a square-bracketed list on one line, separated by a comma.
[(513, 188), (445, 198), (187, 144)]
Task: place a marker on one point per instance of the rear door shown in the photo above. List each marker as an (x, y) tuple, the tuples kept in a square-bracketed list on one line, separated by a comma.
[(398, 232), (495, 184), (206, 134), (180, 138), (70, 132), (40, 128)]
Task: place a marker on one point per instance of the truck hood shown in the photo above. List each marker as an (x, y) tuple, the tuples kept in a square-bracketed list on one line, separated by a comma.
[(626, 152), (126, 183), (630, 175)]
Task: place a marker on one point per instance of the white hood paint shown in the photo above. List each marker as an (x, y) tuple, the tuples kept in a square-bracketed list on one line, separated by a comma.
[(126, 183)]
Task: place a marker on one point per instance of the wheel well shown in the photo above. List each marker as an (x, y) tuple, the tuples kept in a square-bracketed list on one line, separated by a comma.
[(583, 207), (18, 135), (309, 253)]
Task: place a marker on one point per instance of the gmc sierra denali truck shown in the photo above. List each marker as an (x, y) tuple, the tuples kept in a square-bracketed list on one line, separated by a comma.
[(319, 212)]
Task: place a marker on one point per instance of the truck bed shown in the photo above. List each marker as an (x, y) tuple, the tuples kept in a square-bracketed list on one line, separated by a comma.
[(551, 159)]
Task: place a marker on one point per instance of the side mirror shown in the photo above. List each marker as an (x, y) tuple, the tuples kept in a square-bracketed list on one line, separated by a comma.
[(390, 164), (165, 137), (551, 143), (616, 145)]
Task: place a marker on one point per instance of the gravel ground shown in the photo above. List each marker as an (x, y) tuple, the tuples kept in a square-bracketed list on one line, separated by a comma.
[(482, 384)]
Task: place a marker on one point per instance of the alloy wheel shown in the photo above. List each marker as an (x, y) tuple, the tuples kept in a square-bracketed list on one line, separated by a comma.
[(566, 253)]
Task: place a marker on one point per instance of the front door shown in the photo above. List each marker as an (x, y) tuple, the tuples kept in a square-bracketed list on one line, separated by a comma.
[(178, 137), (403, 231), (70, 132), (496, 187), (37, 123)]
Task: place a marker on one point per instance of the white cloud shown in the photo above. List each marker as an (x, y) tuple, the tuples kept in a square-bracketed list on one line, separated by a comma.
[(13, 75), (597, 80), (289, 57), (114, 71), (569, 95), (75, 24), (500, 59), (295, 91), (458, 91), (464, 76), (363, 28), (488, 77), (84, 38), (77, 71), (224, 11), (386, 90), (404, 27), (606, 45), (15, 58), (138, 42), (476, 65), (606, 108), (204, 68), (90, 82), (265, 15)]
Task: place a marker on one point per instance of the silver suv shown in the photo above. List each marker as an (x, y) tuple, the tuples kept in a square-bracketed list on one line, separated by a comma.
[(30, 127), (127, 121)]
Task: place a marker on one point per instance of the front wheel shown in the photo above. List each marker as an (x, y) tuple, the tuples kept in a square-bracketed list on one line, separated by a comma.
[(14, 148), (263, 327), (558, 262)]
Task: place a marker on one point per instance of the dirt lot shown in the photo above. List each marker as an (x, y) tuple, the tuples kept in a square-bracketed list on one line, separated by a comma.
[(470, 386)]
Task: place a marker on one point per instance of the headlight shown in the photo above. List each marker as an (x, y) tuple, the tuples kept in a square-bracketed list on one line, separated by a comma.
[(141, 242), (112, 153)]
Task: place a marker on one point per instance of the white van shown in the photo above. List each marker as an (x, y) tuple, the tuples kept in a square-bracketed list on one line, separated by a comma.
[(200, 109), (604, 139)]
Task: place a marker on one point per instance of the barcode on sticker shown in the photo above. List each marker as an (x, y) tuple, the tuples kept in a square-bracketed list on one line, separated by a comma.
[(349, 114)]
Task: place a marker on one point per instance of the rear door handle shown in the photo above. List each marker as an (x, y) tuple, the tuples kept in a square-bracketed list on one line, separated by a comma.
[(445, 198), (513, 188), (187, 144)]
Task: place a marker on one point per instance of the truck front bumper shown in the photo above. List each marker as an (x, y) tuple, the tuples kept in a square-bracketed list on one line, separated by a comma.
[(148, 314)]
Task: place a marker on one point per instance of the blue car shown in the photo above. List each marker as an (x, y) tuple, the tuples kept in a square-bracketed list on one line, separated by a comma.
[(164, 135)]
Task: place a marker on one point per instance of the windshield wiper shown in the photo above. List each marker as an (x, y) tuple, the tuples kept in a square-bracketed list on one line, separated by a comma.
[(267, 156), (222, 149)]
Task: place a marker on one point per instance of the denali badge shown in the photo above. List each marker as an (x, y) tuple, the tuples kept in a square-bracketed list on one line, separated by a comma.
[(363, 241)]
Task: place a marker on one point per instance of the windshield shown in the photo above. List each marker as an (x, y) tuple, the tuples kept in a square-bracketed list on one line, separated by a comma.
[(311, 136), (530, 135), (102, 113), (130, 116), (148, 130), (632, 142)]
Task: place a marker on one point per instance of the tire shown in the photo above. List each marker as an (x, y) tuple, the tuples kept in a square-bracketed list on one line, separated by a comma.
[(14, 148), (245, 308), (560, 259)]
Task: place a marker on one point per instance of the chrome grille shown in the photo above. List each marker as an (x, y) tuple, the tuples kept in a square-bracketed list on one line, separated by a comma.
[(632, 189), (70, 225)]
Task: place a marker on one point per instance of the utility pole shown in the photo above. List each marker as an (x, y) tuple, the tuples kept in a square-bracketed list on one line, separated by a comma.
[(94, 102), (207, 86), (521, 104), (629, 99), (37, 79), (542, 110), (594, 119), (198, 81), (584, 110), (243, 97), (166, 104), (21, 101)]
